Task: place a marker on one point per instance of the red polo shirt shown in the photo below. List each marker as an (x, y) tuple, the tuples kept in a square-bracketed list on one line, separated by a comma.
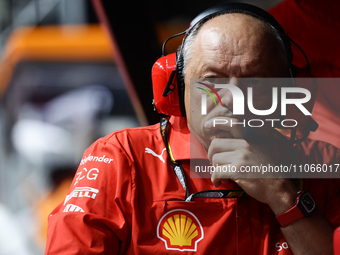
[(126, 199)]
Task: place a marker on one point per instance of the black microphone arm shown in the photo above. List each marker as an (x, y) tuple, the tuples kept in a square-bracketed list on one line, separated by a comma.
[(257, 136)]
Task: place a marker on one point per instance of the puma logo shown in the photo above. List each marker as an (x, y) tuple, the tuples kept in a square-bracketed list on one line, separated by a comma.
[(147, 150)]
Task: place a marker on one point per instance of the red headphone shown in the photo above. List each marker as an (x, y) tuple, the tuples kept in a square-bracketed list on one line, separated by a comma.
[(165, 87), (168, 82)]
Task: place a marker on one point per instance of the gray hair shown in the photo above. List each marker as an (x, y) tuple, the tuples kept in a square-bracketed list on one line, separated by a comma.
[(188, 44)]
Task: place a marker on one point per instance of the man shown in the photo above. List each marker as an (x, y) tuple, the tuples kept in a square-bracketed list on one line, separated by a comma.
[(127, 196)]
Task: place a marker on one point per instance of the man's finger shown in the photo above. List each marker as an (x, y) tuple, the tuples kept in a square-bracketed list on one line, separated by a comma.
[(231, 125), (218, 177), (219, 145), (223, 158)]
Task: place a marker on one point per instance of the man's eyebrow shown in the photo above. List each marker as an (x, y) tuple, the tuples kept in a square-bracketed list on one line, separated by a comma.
[(214, 71)]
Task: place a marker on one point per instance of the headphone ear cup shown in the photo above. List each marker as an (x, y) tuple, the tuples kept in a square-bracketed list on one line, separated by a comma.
[(161, 72), (181, 84)]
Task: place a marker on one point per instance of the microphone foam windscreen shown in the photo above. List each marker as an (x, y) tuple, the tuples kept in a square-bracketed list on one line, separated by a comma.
[(253, 135)]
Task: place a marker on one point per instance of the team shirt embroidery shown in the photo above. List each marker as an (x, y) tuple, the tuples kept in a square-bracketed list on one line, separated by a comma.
[(102, 159), (87, 192), (148, 150), (73, 208), (91, 175)]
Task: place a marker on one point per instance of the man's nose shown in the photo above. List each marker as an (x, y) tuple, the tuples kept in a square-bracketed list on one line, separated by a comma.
[(226, 98)]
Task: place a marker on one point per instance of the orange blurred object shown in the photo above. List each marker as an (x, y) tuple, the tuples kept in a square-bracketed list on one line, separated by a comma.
[(71, 43)]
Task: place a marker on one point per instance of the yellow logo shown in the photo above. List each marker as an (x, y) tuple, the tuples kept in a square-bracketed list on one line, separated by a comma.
[(180, 230)]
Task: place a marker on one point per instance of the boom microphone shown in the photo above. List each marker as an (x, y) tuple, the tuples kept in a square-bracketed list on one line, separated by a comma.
[(256, 136), (253, 135)]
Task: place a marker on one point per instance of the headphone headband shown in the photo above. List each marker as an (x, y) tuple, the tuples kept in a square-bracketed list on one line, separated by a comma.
[(244, 8), (237, 8)]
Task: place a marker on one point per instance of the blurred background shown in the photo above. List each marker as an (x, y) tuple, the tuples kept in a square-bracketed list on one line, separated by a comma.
[(63, 84)]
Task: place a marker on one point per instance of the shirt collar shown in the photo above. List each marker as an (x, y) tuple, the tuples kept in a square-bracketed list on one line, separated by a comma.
[(184, 145)]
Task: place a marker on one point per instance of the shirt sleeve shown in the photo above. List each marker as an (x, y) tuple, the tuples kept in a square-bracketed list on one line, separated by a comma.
[(326, 192), (95, 216)]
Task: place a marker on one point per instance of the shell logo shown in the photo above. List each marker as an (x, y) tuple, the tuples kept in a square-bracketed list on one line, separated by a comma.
[(180, 230)]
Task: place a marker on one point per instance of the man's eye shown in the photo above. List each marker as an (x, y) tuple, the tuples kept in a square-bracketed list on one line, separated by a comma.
[(210, 81), (217, 80), (209, 86), (214, 80), (254, 82)]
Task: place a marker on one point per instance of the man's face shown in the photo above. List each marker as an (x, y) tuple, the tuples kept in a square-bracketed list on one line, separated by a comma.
[(230, 46)]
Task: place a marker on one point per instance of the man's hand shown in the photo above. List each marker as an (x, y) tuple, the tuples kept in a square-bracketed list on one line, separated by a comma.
[(278, 193)]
